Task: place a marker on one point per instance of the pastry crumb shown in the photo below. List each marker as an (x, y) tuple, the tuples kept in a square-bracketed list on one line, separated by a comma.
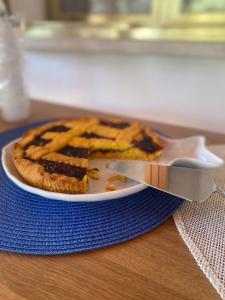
[(117, 177), (110, 187), (93, 174)]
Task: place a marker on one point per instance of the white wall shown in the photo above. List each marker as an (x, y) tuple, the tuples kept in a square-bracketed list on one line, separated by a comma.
[(177, 90)]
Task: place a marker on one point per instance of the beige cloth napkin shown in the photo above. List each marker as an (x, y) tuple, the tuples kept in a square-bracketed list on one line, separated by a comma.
[(202, 227)]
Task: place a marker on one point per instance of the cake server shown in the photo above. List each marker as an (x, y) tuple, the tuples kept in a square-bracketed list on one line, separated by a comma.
[(190, 184)]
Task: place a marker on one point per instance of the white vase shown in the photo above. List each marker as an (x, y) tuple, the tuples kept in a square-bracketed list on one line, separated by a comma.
[(13, 99)]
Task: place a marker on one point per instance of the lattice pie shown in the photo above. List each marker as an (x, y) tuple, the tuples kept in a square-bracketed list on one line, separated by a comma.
[(55, 156)]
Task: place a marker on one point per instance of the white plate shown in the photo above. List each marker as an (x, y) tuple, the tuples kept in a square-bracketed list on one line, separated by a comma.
[(189, 152)]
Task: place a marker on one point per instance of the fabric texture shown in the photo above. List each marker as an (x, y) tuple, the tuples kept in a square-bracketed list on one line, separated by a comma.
[(31, 224), (202, 227)]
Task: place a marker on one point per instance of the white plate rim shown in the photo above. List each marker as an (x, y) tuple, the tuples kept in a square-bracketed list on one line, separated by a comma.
[(104, 196)]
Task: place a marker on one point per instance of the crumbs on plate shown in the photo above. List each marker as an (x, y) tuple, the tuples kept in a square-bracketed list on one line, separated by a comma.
[(117, 177), (110, 187), (94, 173)]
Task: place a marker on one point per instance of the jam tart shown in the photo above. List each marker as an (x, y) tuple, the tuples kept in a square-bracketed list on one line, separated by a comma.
[(55, 156)]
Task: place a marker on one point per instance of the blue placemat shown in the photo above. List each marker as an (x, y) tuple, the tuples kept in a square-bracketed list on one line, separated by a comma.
[(35, 225)]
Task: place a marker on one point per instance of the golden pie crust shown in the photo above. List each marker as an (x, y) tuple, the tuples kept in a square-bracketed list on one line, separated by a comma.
[(55, 156)]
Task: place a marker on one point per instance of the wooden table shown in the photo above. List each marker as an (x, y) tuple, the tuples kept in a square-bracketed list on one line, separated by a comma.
[(156, 265)]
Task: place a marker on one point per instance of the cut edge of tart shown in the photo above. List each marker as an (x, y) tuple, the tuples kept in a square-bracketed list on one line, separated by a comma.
[(55, 156)]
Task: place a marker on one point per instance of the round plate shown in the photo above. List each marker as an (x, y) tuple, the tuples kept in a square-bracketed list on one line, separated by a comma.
[(187, 152), (96, 190)]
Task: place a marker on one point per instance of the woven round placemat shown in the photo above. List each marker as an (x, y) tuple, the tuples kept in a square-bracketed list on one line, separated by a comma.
[(35, 225)]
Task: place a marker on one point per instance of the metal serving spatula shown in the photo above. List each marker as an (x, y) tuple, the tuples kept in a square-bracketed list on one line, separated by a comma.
[(190, 184)]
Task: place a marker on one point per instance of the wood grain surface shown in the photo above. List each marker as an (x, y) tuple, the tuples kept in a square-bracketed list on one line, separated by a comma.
[(156, 265)]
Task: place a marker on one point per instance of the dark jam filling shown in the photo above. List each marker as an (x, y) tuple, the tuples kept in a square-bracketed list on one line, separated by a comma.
[(38, 141), (120, 125), (61, 168), (91, 135), (147, 144), (74, 152), (59, 128)]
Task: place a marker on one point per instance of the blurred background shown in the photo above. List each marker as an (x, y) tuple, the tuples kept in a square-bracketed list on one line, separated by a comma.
[(158, 60)]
